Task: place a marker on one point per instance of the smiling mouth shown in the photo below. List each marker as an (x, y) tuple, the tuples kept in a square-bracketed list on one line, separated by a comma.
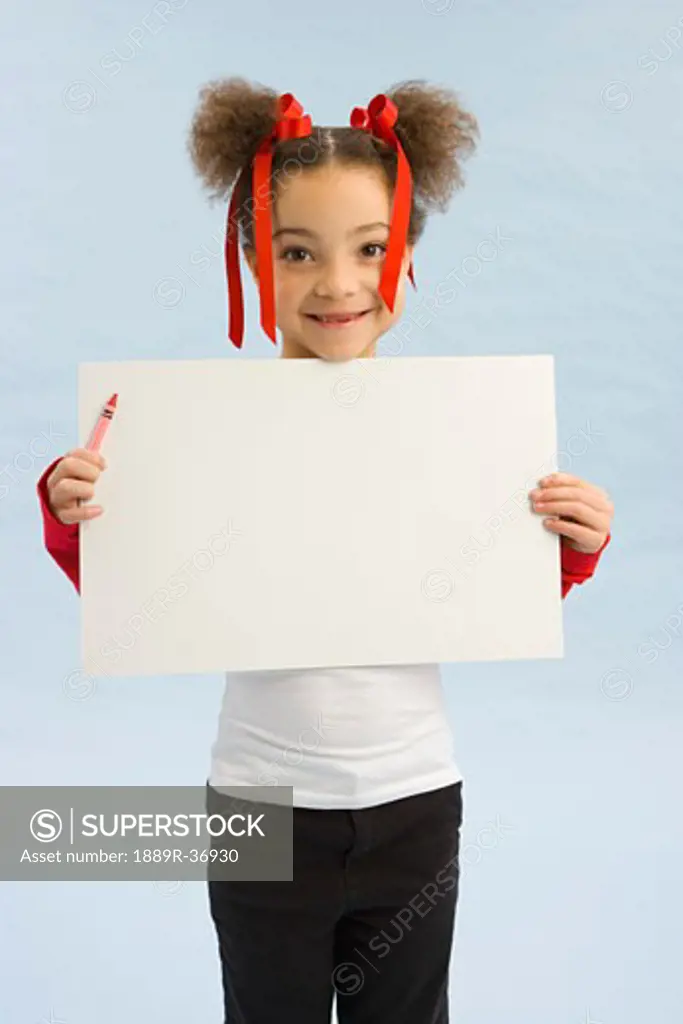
[(337, 319)]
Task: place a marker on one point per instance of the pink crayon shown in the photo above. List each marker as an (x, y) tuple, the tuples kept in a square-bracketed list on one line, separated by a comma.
[(102, 425)]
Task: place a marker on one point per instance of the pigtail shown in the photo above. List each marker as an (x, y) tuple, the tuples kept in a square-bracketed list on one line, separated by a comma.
[(437, 134), (232, 118)]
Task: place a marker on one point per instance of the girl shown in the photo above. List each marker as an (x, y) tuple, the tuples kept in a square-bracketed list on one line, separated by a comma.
[(328, 220)]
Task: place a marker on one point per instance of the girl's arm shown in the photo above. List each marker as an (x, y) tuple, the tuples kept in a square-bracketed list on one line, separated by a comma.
[(580, 513), (577, 567), (61, 539), (62, 542)]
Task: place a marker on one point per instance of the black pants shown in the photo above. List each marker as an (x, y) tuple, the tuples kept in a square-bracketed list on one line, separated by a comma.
[(370, 914)]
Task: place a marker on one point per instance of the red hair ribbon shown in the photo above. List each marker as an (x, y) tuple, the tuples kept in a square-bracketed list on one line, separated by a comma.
[(291, 124), (379, 119)]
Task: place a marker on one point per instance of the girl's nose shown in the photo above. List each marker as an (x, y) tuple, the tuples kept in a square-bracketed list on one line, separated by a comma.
[(336, 281)]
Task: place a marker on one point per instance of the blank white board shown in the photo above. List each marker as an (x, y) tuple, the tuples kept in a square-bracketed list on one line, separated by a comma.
[(283, 513)]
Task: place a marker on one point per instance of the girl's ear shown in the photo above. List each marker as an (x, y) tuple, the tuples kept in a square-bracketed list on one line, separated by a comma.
[(250, 258)]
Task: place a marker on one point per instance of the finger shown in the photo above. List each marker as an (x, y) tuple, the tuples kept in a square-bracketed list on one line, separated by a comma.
[(576, 510), (73, 467), (68, 491), (88, 456), (584, 491), (569, 479), (590, 496), (79, 513), (591, 540), (560, 478)]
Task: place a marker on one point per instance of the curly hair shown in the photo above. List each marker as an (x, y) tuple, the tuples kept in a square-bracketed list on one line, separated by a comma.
[(234, 115)]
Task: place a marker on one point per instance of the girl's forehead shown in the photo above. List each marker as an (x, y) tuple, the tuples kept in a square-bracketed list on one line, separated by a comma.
[(337, 194)]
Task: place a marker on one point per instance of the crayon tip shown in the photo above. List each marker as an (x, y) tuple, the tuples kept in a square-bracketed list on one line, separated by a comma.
[(112, 401)]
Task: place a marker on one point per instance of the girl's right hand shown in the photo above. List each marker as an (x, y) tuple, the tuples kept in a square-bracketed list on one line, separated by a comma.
[(73, 480)]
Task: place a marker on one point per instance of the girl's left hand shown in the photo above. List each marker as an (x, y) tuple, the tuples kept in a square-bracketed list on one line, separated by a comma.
[(583, 513)]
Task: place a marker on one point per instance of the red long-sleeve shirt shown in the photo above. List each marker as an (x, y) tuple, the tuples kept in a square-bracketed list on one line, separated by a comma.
[(62, 542)]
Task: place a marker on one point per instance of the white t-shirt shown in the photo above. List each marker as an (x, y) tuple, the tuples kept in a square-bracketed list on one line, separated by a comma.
[(342, 737)]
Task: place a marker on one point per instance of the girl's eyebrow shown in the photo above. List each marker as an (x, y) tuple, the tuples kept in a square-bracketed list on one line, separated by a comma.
[(311, 234)]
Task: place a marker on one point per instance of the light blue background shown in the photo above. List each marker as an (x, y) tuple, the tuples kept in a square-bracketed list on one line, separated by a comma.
[(573, 914)]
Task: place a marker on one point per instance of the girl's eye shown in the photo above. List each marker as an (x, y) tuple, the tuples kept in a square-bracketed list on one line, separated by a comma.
[(294, 255), (373, 249)]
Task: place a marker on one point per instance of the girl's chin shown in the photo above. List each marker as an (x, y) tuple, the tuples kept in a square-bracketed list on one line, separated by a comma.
[(340, 345), (341, 353), (334, 347)]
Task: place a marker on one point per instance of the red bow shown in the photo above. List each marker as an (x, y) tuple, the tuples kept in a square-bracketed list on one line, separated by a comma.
[(379, 119), (291, 124)]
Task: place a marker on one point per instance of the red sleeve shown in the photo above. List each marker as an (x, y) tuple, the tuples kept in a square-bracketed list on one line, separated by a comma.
[(61, 540), (577, 567)]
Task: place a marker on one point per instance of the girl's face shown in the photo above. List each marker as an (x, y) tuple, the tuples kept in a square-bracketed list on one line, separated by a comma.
[(330, 233)]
